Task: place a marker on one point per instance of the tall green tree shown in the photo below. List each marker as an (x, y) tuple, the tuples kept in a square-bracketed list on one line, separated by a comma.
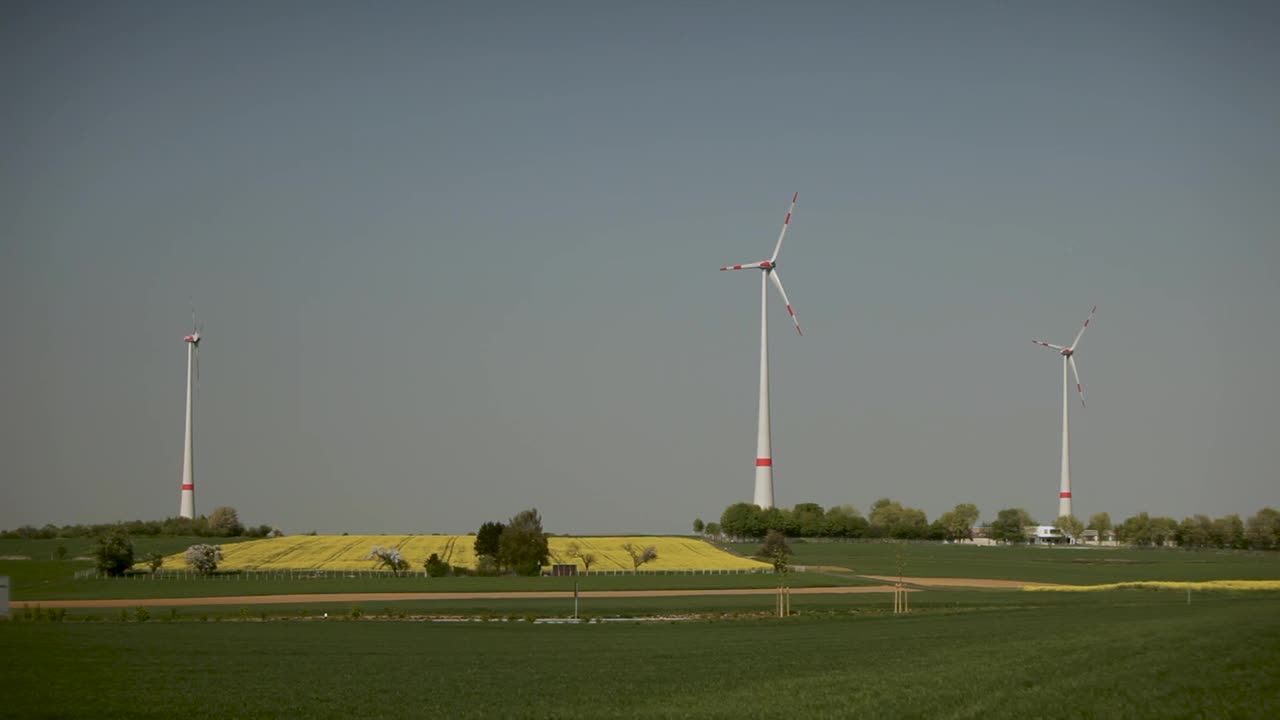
[(844, 521), (1195, 532), (487, 539), (807, 519), (698, 526), (1135, 530), (522, 547), (1009, 525), (1262, 531), (1070, 526), (1230, 531), (113, 552), (890, 518), (742, 520), (958, 524), (1100, 522)]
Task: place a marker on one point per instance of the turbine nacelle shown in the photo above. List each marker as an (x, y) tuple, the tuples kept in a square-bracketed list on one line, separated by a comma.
[(193, 338)]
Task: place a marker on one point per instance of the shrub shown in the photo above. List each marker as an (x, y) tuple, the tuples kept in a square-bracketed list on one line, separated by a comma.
[(204, 558), (436, 567)]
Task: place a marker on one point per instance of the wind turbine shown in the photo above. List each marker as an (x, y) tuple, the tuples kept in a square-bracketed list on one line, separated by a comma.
[(1068, 358), (187, 508), (764, 444)]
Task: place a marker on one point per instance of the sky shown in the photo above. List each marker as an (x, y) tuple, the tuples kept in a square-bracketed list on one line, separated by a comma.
[(455, 260)]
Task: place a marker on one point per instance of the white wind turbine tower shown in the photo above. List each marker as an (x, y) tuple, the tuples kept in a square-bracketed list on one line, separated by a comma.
[(764, 445), (1068, 358), (187, 508)]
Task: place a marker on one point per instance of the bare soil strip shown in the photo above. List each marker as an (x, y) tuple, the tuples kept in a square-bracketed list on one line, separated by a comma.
[(392, 597), (959, 582)]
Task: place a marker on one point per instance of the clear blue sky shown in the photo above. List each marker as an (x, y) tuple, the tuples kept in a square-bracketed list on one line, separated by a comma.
[(459, 259)]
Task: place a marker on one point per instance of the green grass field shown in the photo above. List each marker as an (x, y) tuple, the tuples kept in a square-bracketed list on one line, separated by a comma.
[(1065, 565), (1099, 655), (83, 546), (56, 584)]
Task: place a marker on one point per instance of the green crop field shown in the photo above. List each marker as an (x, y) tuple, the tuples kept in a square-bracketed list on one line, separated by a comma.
[(51, 586), (1066, 565), (1115, 654), (47, 549)]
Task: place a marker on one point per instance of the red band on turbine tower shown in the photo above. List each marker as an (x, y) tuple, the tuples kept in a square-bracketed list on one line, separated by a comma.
[(764, 462), (1064, 495), (188, 486)]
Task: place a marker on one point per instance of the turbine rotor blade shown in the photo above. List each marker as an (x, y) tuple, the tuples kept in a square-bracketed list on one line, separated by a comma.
[(785, 223), (1048, 345), (1079, 388), (777, 282), (747, 266), (1084, 327)]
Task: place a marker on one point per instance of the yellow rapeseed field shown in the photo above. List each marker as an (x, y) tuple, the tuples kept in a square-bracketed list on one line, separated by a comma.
[(1163, 585), (348, 552)]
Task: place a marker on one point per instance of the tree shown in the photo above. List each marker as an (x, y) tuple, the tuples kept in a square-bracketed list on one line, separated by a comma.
[(522, 547), (204, 558), (1230, 531), (775, 518), (713, 529), (1009, 525), (487, 539), (436, 567), (62, 551), (390, 558), (807, 519), (225, 521), (891, 519), (958, 524), (1100, 522), (1262, 530), (775, 551), (742, 520), (1163, 530), (154, 561), (844, 521), (1135, 530), (698, 526), (640, 555), (1195, 532), (576, 552), (1070, 526), (114, 552)]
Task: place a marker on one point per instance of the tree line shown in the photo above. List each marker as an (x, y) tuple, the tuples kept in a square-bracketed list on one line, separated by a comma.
[(893, 520), (222, 522)]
